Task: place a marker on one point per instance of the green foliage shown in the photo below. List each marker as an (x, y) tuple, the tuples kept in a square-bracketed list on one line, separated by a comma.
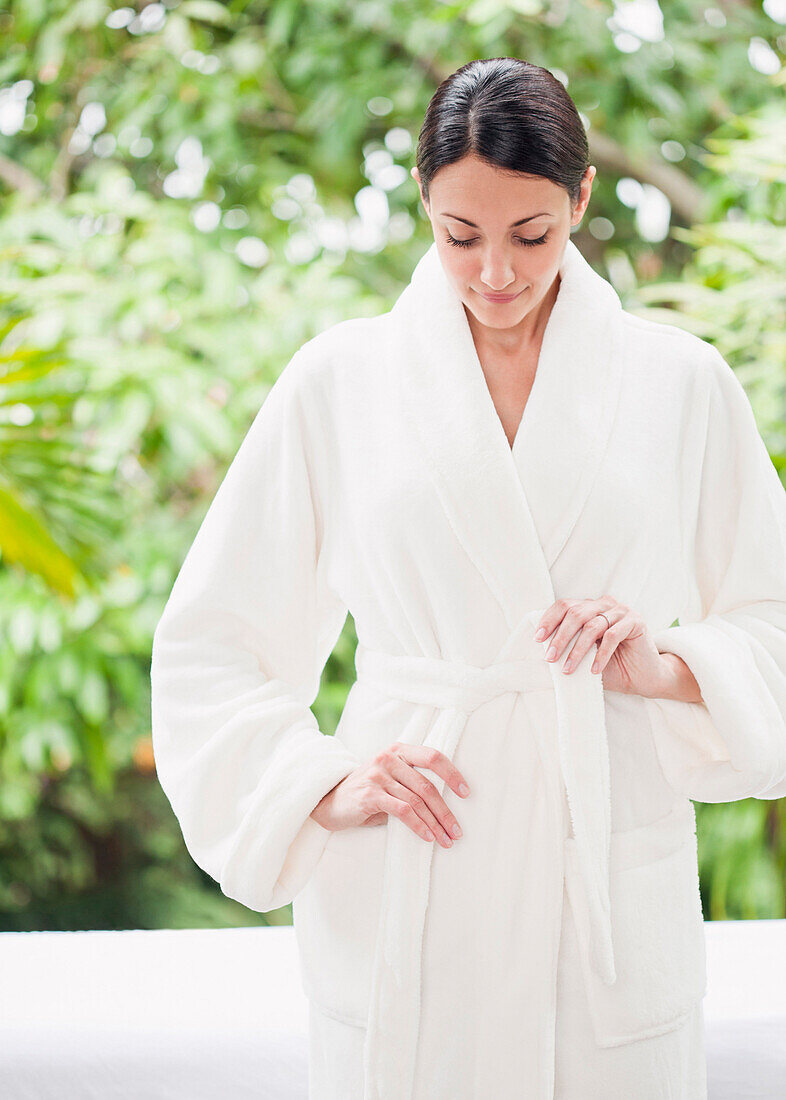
[(184, 196), (732, 291)]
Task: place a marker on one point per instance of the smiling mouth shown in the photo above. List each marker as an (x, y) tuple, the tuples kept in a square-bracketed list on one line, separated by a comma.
[(499, 297)]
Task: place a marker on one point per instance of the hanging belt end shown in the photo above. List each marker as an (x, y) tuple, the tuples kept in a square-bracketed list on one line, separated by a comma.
[(603, 958)]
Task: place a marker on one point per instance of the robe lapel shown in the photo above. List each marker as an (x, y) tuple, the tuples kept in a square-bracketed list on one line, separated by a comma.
[(499, 500), (569, 415)]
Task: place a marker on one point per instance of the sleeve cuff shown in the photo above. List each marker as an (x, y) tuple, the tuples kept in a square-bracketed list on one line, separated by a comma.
[(276, 849), (728, 747), (302, 857)]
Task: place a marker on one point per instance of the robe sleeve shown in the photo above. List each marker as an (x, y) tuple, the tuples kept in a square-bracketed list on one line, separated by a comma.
[(733, 744), (237, 658)]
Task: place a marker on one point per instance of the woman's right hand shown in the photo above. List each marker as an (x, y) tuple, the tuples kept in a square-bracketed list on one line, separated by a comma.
[(391, 785)]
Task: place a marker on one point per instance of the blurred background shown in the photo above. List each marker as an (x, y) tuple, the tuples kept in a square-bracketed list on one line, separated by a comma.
[(191, 190)]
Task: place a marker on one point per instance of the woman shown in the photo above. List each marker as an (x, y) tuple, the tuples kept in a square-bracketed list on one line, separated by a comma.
[(507, 449)]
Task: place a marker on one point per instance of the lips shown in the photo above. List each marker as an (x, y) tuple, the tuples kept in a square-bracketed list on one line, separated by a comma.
[(499, 298)]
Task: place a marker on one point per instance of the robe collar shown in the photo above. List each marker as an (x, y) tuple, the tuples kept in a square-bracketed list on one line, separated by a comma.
[(539, 488)]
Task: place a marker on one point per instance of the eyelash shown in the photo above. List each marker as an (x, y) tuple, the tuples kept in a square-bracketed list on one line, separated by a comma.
[(522, 240)]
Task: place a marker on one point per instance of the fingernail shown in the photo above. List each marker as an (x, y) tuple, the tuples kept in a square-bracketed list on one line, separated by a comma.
[(448, 841), (541, 633), (456, 830), (567, 666), (463, 790), (429, 835), (594, 668), (552, 653)]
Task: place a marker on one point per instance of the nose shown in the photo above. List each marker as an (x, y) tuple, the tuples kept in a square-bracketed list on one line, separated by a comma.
[(496, 275)]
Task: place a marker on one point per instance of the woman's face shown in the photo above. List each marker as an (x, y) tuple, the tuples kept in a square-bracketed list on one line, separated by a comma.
[(494, 256)]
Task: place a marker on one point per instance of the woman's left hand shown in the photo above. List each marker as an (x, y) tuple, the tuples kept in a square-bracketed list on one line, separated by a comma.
[(626, 657)]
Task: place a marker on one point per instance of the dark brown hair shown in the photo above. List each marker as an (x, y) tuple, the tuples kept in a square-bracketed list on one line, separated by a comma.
[(512, 114)]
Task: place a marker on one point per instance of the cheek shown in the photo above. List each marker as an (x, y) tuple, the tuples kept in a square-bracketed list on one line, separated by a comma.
[(459, 268), (545, 261), (541, 270), (455, 261)]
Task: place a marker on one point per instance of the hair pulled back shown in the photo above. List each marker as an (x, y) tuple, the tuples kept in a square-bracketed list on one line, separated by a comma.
[(512, 114)]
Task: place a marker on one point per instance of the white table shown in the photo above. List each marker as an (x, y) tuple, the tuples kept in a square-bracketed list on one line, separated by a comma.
[(220, 1013), (745, 1009)]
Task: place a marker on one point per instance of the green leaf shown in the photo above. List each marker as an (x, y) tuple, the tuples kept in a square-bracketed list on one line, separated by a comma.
[(25, 540)]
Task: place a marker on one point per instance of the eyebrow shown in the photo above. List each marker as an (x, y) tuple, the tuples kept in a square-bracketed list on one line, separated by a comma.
[(544, 213)]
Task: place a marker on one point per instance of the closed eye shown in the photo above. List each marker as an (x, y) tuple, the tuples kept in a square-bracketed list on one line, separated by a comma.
[(521, 240)]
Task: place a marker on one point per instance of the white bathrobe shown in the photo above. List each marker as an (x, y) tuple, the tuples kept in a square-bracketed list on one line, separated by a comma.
[(377, 478)]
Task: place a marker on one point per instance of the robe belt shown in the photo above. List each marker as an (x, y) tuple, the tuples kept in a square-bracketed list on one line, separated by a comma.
[(457, 689)]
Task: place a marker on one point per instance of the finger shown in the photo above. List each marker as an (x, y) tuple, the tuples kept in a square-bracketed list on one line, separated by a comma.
[(593, 629), (573, 620), (438, 815), (552, 618), (424, 756), (404, 812), (612, 637), (422, 807)]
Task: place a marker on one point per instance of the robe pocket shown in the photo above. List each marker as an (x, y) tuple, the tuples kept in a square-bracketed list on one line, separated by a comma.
[(336, 920), (657, 930)]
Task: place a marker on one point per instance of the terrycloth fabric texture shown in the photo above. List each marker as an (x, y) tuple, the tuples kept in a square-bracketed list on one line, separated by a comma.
[(377, 478), (668, 1065)]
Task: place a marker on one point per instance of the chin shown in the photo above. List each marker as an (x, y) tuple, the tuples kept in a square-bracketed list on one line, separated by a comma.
[(491, 317)]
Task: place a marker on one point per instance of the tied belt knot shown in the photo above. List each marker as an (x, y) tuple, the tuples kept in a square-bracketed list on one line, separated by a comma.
[(449, 685), (456, 689)]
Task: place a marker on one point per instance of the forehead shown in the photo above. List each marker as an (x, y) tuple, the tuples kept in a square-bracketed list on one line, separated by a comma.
[(482, 192)]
